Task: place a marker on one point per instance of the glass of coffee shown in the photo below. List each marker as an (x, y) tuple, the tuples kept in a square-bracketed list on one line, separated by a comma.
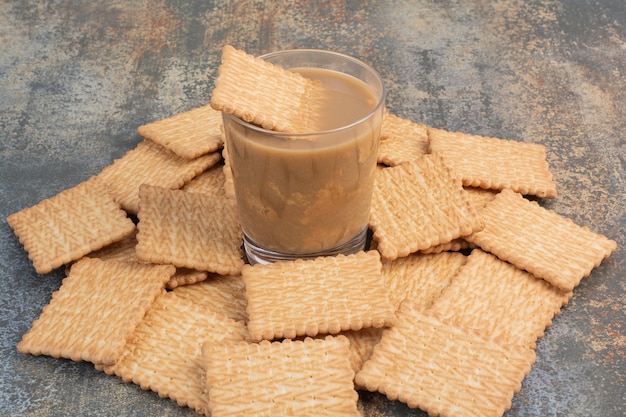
[(306, 195)]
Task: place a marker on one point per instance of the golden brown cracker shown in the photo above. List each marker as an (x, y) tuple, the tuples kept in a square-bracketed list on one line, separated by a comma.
[(186, 276), (454, 245), (124, 250), (266, 95), (420, 278), (210, 182), (95, 311), (499, 301), (165, 352), (442, 369), (229, 184), (311, 377), (277, 307), (218, 293), (189, 134), (150, 163), (362, 344), (69, 225), (494, 163), (418, 205), (540, 241), (189, 230), (479, 197), (401, 140)]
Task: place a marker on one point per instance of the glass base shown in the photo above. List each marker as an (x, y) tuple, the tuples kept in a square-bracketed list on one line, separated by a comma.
[(259, 255)]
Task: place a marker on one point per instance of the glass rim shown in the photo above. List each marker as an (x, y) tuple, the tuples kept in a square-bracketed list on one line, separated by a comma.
[(275, 133)]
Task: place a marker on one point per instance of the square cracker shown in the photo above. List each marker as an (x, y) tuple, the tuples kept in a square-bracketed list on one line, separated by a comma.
[(124, 250), (418, 205), (499, 301), (540, 241), (495, 163), (443, 369), (211, 182), (277, 308), (311, 377), (69, 225), (401, 140), (150, 163), (420, 278), (165, 352), (189, 230), (362, 344), (478, 197), (218, 293), (190, 134), (96, 310), (266, 95)]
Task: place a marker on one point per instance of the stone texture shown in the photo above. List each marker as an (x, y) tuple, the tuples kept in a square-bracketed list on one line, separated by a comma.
[(78, 78)]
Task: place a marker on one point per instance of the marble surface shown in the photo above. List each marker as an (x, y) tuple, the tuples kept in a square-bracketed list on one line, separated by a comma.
[(78, 77)]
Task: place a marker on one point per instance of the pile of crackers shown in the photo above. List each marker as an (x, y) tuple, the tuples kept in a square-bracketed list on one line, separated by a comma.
[(464, 273)]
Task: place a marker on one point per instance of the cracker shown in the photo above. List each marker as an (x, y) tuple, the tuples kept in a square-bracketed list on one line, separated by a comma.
[(401, 140), (189, 230), (210, 182), (418, 205), (124, 250), (165, 352), (478, 197), (312, 377), (443, 369), (218, 293), (499, 301), (186, 276), (277, 307), (454, 245), (362, 344), (540, 241), (495, 163), (69, 225), (267, 95), (420, 278), (190, 134), (150, 163), (95, 311), (229, 184)]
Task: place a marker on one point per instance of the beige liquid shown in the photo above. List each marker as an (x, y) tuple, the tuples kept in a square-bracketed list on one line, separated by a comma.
[(301, 196)]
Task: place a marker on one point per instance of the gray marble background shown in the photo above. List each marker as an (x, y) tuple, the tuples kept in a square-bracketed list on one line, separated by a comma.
[(78, 77)]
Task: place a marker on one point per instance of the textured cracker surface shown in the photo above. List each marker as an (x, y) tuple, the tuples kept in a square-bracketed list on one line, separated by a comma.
[(419, 205), (165, 352), (96, 310), (276, 307), (189, 134), (443, 369), (499, 302), (189, 230), (266, 95), (550, 246), (78, 78), (494, 163), (309, 378), (63, 228), (150, 163), (218, 293), (401, 140)]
